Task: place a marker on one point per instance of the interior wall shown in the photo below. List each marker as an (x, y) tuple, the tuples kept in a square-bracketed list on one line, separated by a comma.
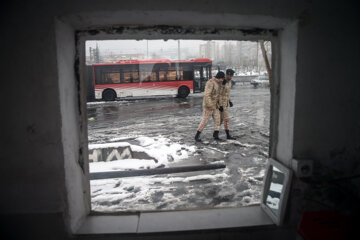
[(32, 171), (32, 176), (327, 105), (327, 110)]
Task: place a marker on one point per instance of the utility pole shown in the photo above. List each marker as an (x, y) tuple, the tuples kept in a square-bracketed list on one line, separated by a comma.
[(91, 55), (240, 50), (147, 49), (179, 49), (97, 54), (257, 57), (177, 64), (213, 46)]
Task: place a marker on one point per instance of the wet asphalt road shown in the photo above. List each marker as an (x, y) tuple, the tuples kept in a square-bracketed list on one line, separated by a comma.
[(177, 119)]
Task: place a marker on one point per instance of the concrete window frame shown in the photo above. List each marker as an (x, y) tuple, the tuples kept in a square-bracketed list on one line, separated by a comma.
[(72, 31)]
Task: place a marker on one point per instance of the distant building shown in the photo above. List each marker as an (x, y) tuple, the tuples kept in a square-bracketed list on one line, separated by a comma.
[(131, 56), (208, 50), (110, 58)]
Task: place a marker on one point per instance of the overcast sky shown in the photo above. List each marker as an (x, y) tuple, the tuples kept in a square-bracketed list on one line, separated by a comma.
[(133, 46)]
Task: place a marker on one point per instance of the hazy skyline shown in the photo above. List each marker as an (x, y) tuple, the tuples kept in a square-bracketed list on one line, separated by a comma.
[(139, 46), (134, 46), (244, 54)]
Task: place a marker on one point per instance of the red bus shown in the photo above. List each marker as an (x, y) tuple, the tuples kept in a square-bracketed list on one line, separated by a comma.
[(151, 77)]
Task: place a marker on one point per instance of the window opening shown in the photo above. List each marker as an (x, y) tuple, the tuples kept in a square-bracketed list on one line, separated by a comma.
[(145, 134)]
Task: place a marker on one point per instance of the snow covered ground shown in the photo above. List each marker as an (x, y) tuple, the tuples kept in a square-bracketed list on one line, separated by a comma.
[(163, 130)]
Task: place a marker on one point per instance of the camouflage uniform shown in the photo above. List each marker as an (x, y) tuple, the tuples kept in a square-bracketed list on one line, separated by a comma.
[(211, 105), (224, 102)]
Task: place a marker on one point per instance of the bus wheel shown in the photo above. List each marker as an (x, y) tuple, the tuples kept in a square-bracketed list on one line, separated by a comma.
[(109, 95), (183, 92)]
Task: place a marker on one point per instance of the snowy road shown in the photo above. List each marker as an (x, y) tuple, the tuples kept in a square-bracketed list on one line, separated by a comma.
[(164, 129)]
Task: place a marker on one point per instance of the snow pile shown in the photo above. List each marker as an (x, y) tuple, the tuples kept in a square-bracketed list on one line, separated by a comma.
[(160, 150), (108, 145), (159, 192), (163, 149), (124, 164)]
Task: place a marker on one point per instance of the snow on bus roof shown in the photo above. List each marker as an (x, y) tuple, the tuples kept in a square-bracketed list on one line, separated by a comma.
[(163, 60), (149, 61), (194, 60)]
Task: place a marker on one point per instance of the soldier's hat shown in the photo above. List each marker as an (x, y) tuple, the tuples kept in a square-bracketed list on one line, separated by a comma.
[(230, 72), (220, 75)]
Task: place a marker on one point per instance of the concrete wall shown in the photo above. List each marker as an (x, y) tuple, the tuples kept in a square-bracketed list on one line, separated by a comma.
[(327, 103), (33, 161)]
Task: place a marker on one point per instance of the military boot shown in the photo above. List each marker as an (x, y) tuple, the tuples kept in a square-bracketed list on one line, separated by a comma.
[(216, 135), (197, 136), (228, 135)]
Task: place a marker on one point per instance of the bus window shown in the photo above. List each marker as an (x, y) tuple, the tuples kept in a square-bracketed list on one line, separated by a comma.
[(144, 76), (130, 76), (187, 72), (202, 72), (153, 77), (162, 75), (163, 72), (113, 77), (206, 73), (197, 73), (180, 74), (106, 75), (188, 75), (127, 77), (148, 77), (175, 73), (171, 75), (145, 73), (109, 76), (135, 76)]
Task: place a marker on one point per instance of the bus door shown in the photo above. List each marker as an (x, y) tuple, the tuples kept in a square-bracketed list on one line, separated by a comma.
[(199, 78), (206, 76)]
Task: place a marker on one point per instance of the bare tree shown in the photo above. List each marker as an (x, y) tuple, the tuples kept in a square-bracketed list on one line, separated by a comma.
[(266, 60)]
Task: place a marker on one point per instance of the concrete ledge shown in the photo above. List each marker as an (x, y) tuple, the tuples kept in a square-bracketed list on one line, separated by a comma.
[(176, 221), (203, 219), (109, 224)]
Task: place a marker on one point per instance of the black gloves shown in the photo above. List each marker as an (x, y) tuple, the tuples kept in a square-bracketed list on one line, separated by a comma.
[(221, 109), (224, 82), (231, 104)]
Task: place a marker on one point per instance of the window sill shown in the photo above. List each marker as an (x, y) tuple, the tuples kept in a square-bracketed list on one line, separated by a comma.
[(175, 221)]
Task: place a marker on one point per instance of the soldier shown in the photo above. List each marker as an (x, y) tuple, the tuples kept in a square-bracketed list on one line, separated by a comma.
[(211, 105), (225, 101)]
